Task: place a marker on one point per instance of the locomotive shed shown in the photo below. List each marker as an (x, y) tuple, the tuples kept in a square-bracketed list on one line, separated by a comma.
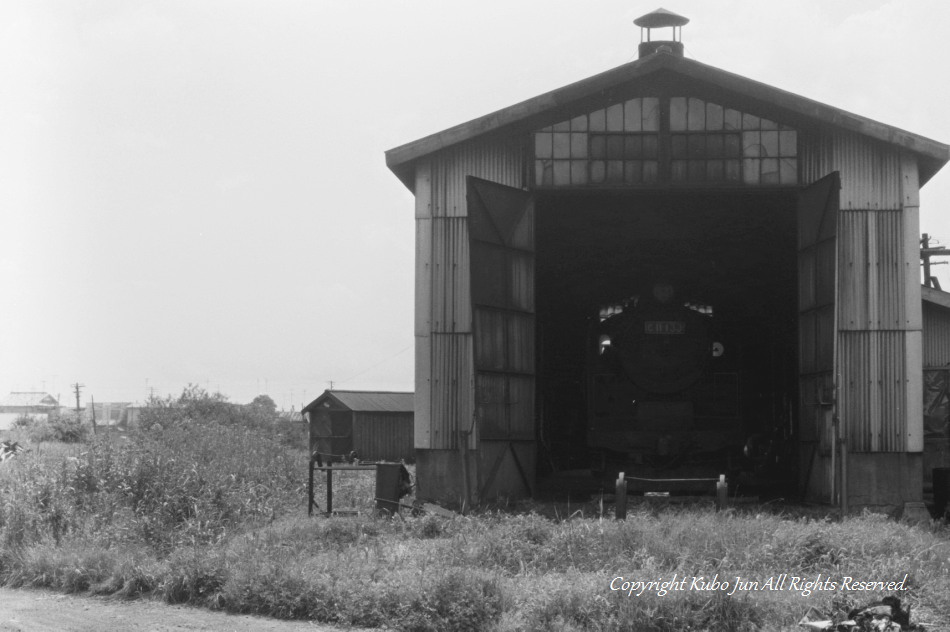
[(573, 252)]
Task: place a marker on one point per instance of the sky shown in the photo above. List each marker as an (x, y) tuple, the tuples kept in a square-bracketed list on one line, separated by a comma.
[(195, 191)]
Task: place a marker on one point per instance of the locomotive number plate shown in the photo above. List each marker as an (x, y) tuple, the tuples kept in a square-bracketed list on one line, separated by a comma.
[(664, 327)]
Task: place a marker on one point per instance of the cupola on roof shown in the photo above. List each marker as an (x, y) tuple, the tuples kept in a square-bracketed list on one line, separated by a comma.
[(660, 18)]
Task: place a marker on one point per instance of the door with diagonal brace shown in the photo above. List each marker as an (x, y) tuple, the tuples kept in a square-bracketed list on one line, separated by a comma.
[(501, 233)]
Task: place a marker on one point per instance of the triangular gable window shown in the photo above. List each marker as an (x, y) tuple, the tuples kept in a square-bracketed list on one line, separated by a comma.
[(651, 140)]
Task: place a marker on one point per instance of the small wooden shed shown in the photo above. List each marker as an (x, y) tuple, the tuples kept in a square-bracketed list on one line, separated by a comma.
[(377, 425)]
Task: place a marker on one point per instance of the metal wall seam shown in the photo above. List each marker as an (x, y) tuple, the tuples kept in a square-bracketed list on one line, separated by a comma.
[(890, 290), (451, 306), (873, 395), (872, 270), (501, 161), (451, 389), (913, 435), (870, 173), (910, 215), (913, 319), (901, 379), (422, 401), (895, 421), (423, 190), (814, 156), (422, 397), (852, 394), (853, 270), (423, 281)]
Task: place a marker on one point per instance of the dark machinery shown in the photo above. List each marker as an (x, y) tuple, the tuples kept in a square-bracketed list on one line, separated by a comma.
[(663, 392)]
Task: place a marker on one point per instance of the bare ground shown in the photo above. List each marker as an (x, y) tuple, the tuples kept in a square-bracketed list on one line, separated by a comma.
[(44, 611)]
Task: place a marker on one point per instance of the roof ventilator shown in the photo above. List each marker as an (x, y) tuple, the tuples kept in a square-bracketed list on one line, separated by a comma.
[(661, 18)]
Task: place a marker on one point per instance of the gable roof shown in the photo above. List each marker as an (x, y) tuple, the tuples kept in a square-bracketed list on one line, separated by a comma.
[(561, 103), (30, 398), (366, 401)]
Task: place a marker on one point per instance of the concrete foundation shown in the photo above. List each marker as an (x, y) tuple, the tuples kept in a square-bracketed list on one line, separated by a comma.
[(887, 481), (440, 476)]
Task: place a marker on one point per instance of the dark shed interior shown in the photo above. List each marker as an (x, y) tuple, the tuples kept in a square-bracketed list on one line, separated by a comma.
[(729, 255)]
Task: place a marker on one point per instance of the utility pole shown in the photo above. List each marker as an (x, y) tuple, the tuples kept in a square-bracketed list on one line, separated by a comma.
[(76, 387), (926, 252)]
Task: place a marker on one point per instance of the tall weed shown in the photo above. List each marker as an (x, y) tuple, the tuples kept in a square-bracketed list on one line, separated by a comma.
[(213, 514), (189, 484)]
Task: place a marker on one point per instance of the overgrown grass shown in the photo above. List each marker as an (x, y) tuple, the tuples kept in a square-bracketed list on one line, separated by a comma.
[(215, 515)]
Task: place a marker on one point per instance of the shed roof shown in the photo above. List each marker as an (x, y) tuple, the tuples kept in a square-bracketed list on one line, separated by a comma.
[(30, 398), (669, 69), (935, 296), (366, 401)]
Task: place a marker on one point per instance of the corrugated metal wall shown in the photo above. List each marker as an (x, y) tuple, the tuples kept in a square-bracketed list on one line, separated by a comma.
[(871, 172), (936, 336), (452, 309), (879, 321), (872, 389), (502, 161), (381, 436), (444, 400), (872, 271), (452, 389)]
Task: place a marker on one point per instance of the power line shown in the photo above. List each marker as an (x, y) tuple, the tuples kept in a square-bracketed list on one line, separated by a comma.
[(400, 352)]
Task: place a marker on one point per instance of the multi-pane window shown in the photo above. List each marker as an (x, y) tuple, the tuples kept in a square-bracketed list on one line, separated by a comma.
[(626, 157), (710, 143), (614, 145), (705, 143)]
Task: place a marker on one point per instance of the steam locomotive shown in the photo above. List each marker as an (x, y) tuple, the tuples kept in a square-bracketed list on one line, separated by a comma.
[(663, 392)]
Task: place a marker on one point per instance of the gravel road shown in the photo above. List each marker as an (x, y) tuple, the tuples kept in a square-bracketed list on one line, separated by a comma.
[(44, 611)]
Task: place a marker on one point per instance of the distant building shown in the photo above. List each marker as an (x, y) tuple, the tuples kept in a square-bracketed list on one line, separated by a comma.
[(36, 404), (107, 413), (377, 425), (133, 413)]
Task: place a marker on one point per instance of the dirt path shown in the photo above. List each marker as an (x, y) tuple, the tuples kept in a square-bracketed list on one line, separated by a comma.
[(43, 611)]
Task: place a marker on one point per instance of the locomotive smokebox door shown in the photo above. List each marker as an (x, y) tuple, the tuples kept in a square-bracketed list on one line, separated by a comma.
[(663, 347)]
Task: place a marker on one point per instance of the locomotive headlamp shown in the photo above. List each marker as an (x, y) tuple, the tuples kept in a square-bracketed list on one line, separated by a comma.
[(663, 292)]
